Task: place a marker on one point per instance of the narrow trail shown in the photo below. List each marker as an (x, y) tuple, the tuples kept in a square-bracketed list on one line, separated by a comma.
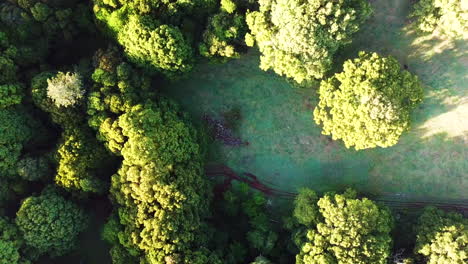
[(394, 201)]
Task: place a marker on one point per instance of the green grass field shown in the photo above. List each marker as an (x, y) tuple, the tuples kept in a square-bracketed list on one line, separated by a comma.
[(287, 148)]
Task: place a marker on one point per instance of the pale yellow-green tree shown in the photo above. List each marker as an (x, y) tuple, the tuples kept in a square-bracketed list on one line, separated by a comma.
[(346, 230), (442, 238), (449, 17), (298, 38), (368, 104)]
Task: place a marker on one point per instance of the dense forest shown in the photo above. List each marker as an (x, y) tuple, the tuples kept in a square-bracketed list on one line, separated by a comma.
[(89, 143)]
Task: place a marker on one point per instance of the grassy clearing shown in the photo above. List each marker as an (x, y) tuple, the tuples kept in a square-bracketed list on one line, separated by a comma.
[(287, 148)]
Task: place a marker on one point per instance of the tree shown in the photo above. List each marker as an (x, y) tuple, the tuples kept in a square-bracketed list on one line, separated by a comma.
[(49, 223), (368, 104), (65, 89), (79, 154), (10, 243), (349, 230), (161, 177), (223, 36), (11, 91), (15, 131), (446, 16), (442, 237), (33, 168), (298, 38), (160, 47)]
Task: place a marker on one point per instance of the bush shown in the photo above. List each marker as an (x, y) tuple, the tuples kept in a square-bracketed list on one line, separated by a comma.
[(442, 237), (65, 89), (368, 104), (298, 38), (50, 224), (447, 16)]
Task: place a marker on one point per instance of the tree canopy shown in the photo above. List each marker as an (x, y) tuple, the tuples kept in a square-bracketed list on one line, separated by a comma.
[(298, 38), (49, 223), (344, 229), (369, 103), (442, 238), (449, 17)]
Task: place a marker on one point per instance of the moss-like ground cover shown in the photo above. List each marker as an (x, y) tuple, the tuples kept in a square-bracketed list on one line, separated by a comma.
[(286, 147)]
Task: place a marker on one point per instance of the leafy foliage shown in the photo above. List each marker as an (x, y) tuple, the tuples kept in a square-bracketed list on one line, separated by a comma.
[(15, 132), (369, 103), (11, 91), (449, 17), (298, 38), (79, 153), (223, 36), (65, 89), (117, 88), (10, 243), (49, 223), (33, 168), (349, 230), (242, 225), (161, 173), (442, 237), (161, 47)]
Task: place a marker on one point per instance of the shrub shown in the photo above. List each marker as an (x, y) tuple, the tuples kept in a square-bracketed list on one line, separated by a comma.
[(368, 104)]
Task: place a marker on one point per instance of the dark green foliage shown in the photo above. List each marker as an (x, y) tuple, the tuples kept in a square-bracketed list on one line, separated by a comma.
[(442, 238), (349, 230), (11, 91), (34, 168), (298, 38), (50, 224), (15, 131), (10, 243), (369, 103), (224, 34), (243, 227)]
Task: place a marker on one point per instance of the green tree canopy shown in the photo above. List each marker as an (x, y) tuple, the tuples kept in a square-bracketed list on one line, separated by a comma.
[(298, 38), (442, 238), (79, 154), (224, 35), (160, 191), (161, 47), (449, 17), (348, 230), (50, 224), (10, 243), (15, 132), (368, 104)]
